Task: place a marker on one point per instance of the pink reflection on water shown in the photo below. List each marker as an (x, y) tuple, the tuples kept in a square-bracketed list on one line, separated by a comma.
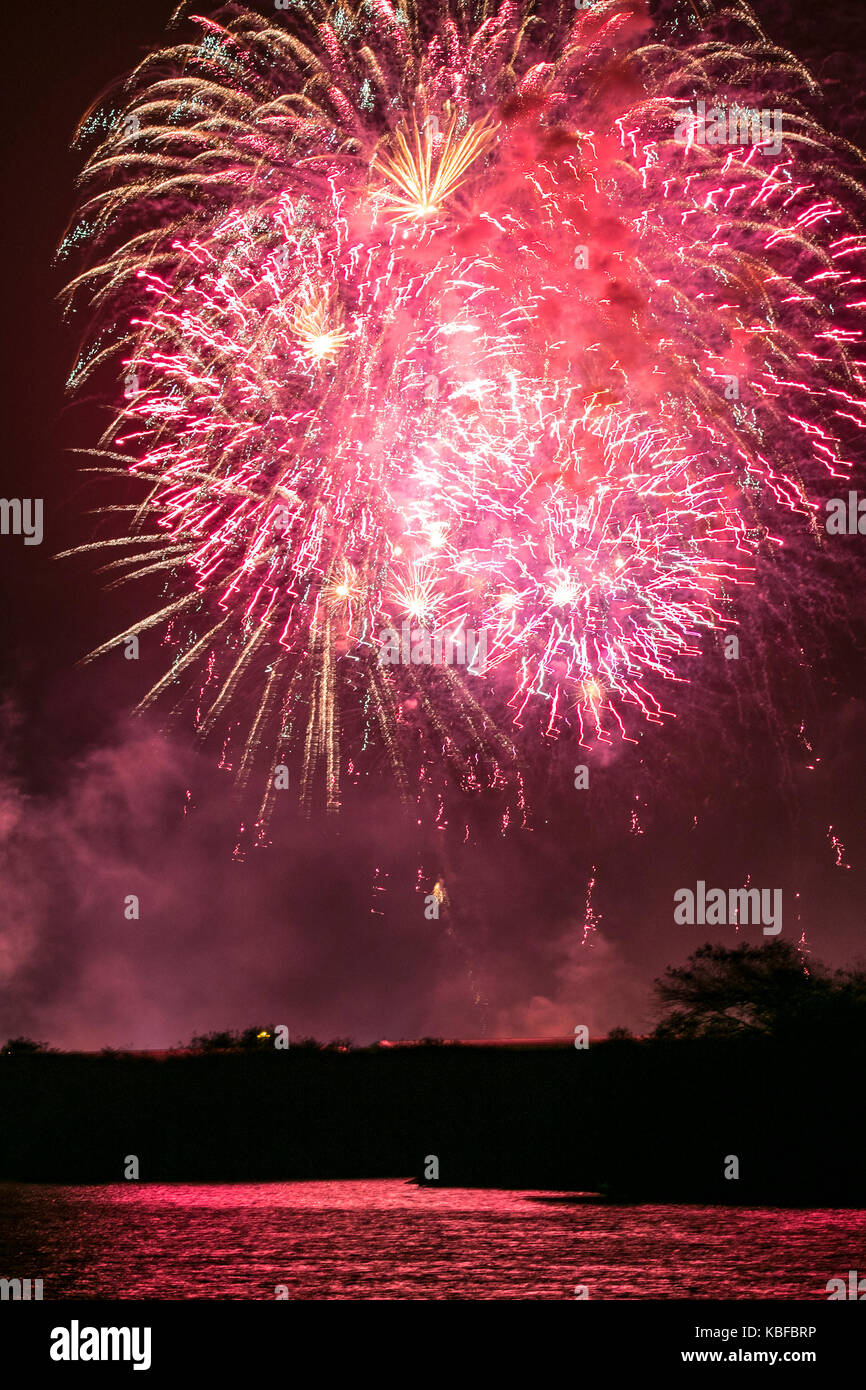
[(389, 1239), (372, 1195)]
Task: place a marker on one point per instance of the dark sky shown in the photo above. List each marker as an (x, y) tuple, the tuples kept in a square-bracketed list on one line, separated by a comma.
[(94, 806)]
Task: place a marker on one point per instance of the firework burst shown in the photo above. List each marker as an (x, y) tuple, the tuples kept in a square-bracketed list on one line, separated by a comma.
[(425, 178), (436, 319)]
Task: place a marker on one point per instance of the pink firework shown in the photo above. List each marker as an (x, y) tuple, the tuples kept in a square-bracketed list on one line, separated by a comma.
[(526, 325)]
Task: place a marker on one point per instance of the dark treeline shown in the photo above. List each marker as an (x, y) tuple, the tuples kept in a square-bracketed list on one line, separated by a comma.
[(745, 1065)]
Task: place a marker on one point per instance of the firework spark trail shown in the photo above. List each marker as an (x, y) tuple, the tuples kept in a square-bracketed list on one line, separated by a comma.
[(369, 379), (838, 848), (591, 918)]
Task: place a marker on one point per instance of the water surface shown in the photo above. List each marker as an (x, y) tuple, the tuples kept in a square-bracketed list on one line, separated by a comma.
[(391, 1240)]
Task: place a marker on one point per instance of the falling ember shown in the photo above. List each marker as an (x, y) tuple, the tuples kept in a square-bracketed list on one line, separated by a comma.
[(380, 886), (838, 849), (591, 919), (471, 378), (804, 952), (801, 734)]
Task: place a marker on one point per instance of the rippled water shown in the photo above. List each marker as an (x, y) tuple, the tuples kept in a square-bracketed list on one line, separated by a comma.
[(391, 1240)]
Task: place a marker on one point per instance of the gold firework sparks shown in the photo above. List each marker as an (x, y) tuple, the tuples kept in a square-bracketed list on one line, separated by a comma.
[(418, 191), (415, 594), (343, 588), (317, 324)]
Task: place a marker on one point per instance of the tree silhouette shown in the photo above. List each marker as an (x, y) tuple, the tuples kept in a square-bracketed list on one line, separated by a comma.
[(255, 1039), (20, 1047), (768, 989)]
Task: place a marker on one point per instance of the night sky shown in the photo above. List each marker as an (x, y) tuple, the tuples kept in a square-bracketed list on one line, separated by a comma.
[(96, 806)]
